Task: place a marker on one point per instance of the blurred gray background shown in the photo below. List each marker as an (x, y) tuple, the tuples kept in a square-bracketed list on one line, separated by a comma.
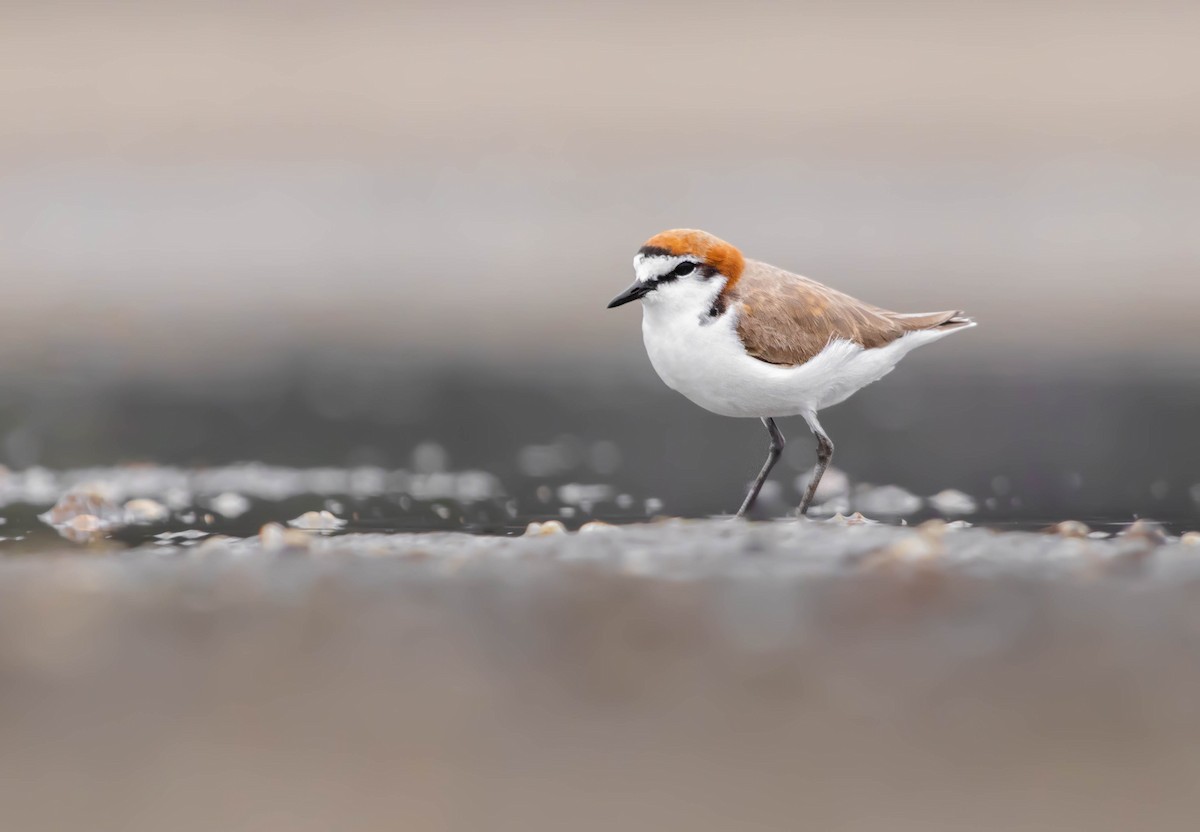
[(325, 232), (343, 233)]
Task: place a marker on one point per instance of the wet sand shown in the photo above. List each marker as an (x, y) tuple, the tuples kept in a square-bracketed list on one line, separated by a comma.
[(675, 675)]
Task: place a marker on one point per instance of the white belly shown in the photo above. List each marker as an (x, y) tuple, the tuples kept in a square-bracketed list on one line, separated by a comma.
[(707, 363)]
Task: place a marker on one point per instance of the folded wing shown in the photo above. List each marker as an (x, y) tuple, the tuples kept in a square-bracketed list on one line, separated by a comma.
[(787, 319)]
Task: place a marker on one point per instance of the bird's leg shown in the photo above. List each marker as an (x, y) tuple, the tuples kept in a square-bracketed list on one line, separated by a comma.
[(824, 454), (773, 454)]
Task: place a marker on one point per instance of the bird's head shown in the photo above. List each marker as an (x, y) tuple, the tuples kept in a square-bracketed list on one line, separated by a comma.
[(683, 267)]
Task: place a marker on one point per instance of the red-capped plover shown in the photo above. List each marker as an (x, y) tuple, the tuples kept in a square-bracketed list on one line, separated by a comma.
[(743, 338)]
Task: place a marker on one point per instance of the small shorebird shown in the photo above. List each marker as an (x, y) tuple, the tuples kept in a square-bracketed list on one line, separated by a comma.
[(744, 338)]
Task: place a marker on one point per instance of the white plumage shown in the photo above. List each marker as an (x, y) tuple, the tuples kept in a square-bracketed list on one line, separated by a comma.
[(706, 362)]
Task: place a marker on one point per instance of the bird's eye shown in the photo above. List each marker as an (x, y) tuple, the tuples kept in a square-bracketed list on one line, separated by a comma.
[(685, 268)]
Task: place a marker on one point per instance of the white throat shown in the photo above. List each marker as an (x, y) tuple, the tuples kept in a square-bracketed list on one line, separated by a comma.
[(685, 299)]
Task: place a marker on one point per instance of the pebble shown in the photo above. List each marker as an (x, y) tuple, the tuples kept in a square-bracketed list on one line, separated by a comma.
[(578, 493), (317, 521), (144, 511), (934, 528), (596, 526), (83, 516), (952, 501), (83, 528), (1069, 528), (76, 503), (889, 500), (1190, 539), (912, 549), (536, 529), (275, 537), (915, 548), (855, 519), (1146, 530), (229, 504), (84, 523)]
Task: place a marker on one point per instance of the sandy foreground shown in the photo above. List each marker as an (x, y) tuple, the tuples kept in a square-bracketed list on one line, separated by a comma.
[(674, 675)]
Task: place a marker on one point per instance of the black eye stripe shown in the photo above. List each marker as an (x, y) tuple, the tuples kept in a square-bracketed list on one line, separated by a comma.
[(682, 270)]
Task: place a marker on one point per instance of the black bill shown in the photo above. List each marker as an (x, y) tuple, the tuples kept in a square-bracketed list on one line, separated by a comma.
[(634, 292)]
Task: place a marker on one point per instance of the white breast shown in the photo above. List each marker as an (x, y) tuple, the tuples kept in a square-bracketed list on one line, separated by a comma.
[(703, 359)]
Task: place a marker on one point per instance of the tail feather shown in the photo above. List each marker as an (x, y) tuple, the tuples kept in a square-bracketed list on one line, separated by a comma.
[(959, 321), (916, 321)]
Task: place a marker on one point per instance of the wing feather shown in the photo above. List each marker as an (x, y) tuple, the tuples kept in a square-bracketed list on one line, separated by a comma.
[(787, 319)]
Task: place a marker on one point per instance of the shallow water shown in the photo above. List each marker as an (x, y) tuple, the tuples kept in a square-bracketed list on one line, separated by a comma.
[(161, 505), (1106, 448)]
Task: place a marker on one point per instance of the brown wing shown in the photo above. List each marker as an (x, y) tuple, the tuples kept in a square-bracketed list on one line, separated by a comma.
[(787, 319)]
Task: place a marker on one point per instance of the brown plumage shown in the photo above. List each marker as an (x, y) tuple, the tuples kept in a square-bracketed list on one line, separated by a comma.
[(787, 319)]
